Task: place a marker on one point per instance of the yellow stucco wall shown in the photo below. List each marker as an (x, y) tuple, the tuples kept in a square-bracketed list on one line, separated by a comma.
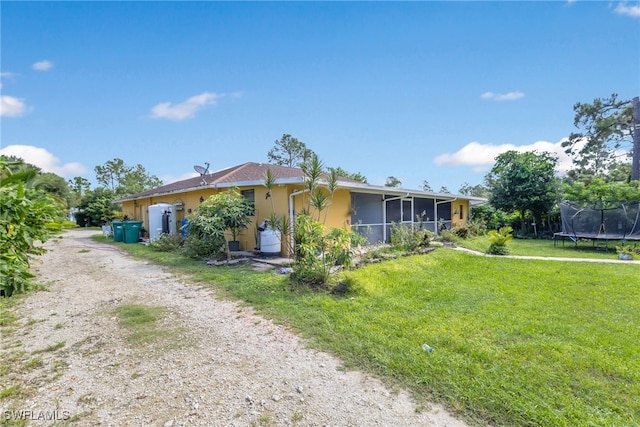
[(459, 212), (337, 214)]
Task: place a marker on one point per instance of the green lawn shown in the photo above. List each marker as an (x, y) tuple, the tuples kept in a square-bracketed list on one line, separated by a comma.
[(546, 248), (515, 342)]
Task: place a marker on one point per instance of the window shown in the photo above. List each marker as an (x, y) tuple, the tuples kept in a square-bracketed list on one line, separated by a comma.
[(461, 211), (250, 195)]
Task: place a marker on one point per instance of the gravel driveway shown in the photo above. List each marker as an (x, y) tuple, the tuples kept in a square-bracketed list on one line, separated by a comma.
[(224, 365)]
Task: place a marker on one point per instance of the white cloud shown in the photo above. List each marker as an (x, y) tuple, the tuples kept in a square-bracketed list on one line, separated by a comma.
[(6, 75), (44, 160), (510, 96), (624, 9), (42, 65), (184, 110), (481, 157), (12, 107)]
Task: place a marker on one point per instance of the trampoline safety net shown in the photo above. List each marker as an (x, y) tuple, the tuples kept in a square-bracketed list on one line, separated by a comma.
[(617, 223)]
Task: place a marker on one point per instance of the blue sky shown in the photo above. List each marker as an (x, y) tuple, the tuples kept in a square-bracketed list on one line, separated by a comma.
[(418, 90)]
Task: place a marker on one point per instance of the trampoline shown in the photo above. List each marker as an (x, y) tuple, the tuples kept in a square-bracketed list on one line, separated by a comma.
[(599, 223)]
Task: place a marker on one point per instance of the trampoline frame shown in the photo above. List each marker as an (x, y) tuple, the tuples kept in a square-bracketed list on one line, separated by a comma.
[(602, 237)]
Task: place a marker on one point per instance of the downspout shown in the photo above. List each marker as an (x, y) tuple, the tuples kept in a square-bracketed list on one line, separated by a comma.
[(384, 214), (291, 221), (435, 207)]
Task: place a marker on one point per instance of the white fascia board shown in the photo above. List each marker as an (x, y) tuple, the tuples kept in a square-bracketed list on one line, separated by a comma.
[(379, 189)]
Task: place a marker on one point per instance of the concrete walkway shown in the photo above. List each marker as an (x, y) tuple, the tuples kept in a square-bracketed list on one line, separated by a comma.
[(610, 261)]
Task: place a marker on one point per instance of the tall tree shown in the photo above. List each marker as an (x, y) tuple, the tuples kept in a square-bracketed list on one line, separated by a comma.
[(521, 182), (137, 179), (289, 151), (97, 207), (111, 174), (601, 193), (57, 187), (79, 186), (124, 180), (444, 190), (392, 181), (474, 190), (357, 176), (606, 129), (426, 186)]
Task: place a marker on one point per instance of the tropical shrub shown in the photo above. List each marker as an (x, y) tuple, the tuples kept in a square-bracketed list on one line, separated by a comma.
[(407, 238), (228, 210), (167, 243), (498, 240), (24, 213), (492, 218), (205, 236), (462, 231), (477, 227), (317, 253), (449, 236)]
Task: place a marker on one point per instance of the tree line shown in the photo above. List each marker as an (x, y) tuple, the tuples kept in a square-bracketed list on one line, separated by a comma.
[(521, 186), (526, 187)]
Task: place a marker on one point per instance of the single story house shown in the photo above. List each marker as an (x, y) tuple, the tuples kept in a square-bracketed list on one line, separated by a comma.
[(367, 209)]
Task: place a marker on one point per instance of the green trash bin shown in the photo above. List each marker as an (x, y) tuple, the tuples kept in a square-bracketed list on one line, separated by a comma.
[(118, 231), (132, 231)]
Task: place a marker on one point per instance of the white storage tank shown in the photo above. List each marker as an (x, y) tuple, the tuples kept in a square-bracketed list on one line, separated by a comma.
[(162, 220), (270, 243)]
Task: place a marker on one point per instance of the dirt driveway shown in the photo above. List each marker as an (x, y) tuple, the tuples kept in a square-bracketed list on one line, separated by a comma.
[(222, 366)]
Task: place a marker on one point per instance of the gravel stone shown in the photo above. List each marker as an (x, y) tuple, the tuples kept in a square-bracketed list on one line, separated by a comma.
[(222, 359)]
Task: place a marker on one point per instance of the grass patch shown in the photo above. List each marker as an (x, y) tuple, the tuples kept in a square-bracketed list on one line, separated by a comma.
[(141, 322), (8, 316), (9, 392), (51, 348), (515, 342), (33, 363), (544, 248)]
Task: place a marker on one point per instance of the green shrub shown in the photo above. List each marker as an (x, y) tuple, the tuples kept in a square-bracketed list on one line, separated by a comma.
[(228, 210), (317, 254), (408, 238), (59, 225), (495, 249), (477, 227), (461, 231), (167, 243), (196, 246), (24, 216), (498, 240), (449, 236)]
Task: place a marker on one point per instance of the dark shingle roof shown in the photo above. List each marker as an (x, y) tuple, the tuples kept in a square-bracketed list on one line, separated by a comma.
[(236, 175)]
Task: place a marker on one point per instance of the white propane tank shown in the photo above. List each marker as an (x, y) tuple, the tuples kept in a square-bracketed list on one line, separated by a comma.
[(270, 243)]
